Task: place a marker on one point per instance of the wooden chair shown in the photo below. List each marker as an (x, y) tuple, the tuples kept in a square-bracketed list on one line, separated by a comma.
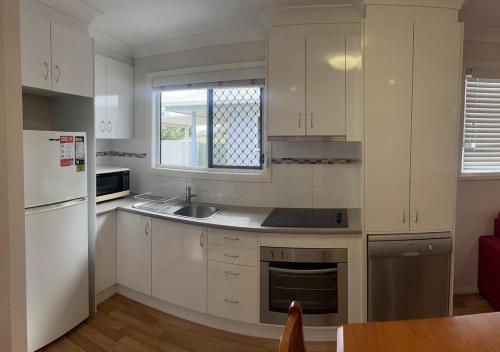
[(292, 339)]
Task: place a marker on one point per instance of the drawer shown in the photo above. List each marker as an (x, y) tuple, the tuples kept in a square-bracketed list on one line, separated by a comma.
[(233, 305), (233, 238), (232, 277), (232, 255)]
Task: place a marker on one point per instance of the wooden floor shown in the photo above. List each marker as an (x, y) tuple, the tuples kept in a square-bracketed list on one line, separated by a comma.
[(124, 325), (127, 326)]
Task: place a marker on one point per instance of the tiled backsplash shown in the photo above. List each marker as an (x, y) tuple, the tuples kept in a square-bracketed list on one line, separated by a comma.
[(309, 184)]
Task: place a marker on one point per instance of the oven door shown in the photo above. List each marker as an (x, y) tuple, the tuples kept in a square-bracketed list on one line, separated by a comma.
[(321, 289)]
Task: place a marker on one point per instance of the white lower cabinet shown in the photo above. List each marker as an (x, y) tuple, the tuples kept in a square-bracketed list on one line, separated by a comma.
[(233, 275), (133, 245), (233, 305), (105, 251), (179, 264)]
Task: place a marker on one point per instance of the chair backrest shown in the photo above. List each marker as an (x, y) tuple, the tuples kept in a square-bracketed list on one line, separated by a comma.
[(292, 339)]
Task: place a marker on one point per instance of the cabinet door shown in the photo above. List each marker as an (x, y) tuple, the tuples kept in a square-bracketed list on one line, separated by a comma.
[(325, 82), (100, 96), (180, 264), (354, 88), (35, 52), (388, 92), (72, 61), (134, 251), (119, 99), (106, 251), (436, 94), (286, 85)]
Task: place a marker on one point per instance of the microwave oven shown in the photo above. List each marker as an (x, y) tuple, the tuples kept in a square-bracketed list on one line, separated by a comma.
[(112, 182)]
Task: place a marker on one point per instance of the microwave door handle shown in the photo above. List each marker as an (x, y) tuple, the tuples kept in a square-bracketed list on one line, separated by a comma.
[(294, 271)]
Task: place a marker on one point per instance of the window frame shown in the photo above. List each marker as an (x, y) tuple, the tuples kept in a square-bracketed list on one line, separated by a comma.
[(474, 68), (222, 174)]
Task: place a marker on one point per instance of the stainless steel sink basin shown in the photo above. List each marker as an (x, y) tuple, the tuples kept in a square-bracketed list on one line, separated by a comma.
[(199, 211)]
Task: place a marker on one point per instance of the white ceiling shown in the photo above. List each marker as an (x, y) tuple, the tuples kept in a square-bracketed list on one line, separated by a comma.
[(141, 24), (149, 27)]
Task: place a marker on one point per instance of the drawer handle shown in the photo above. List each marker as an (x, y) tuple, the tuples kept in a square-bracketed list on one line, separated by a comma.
[(232, 301), (232, 238), (231, 273), (234, 256)]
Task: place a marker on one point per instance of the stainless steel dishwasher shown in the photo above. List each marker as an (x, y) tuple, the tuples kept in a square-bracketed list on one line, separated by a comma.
[(408, 276)]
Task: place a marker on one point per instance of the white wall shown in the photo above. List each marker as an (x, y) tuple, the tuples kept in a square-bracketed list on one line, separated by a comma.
[(478, 201), (12, 253), (292, 185)]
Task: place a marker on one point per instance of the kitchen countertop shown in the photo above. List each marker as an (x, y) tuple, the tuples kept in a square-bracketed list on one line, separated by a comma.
[(235, 218)]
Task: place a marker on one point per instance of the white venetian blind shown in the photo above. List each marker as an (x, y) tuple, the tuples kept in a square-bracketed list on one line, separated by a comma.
[(481, 151)]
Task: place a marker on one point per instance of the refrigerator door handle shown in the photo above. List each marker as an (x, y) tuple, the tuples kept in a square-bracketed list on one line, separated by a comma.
[(57, 206)]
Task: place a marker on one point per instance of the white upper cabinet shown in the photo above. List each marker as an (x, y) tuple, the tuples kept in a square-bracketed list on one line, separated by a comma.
[(286, 85), (388, 86), (306, 88), (35, 49), (100, 96), (114, 98), (72, 59), (434, 144), (325, 85), (56, 58), (133, 247), (412, 90), (180, 264)]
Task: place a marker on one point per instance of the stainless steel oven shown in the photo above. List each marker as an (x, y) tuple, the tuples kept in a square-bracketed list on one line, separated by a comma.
[(317, 278)]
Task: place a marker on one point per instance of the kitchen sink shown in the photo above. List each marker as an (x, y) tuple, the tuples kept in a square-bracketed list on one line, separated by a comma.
[(199, 211)]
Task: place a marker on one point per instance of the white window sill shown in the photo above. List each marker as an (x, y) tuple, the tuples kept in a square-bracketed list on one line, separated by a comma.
[(489, 176), (215, 174)]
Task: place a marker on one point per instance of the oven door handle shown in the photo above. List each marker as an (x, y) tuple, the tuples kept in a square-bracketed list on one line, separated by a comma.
[(294, 271)]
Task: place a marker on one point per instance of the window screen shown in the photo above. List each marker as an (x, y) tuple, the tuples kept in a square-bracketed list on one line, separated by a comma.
[(216, 125), (481, 145)]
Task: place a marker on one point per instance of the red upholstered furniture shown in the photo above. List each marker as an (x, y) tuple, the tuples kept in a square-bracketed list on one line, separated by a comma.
[(488, 280)]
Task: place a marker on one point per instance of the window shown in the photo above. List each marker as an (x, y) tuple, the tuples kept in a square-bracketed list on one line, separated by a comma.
[(211, 126), (481, 144)]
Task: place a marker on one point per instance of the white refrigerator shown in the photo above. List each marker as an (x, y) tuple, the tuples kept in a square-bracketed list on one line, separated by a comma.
[(56, 214)]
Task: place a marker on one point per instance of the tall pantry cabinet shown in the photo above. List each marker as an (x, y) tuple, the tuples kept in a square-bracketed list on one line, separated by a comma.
[(412, 92)]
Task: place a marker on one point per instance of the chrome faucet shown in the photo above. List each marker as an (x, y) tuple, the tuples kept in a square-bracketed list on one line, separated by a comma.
[(189, 195)]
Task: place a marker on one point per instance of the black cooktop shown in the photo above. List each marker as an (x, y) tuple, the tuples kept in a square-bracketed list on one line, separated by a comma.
[(313, 218)]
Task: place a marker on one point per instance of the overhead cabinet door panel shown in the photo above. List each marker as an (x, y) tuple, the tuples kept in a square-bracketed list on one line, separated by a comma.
[(72, 58), (35, 50), (100, 96), (436, 86), (325, 85), (388, 79), (286, 85)]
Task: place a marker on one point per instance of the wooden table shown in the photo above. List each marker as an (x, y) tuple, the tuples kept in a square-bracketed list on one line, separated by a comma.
[(472, 333)]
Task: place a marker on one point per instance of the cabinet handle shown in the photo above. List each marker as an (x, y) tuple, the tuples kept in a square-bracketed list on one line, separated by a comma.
[(103, 126), (46, 76), (232, 238), (57, 77), (232, 301), (300, 118), (146, 228), (234, 256), (202, 235), (312, 123), (231, 273), (404, 215), (416, 214), (110, 126)]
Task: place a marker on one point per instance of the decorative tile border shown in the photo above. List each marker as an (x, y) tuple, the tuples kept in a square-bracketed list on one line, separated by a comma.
[(123, 154), (313, 161)]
